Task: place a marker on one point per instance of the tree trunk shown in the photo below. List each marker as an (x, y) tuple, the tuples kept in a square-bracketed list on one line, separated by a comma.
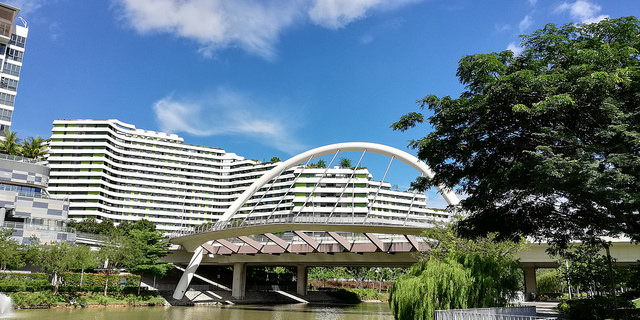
[(56, 283), (106, 282), (81, 277)]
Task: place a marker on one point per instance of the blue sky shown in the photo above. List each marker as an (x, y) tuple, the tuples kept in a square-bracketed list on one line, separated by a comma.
[(265, 78)]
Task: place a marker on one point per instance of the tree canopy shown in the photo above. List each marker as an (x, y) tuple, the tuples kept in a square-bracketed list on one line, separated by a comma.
[(545, 143)]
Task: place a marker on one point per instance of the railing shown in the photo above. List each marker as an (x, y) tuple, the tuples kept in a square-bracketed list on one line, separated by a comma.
[(27, 226), (290, 219), (18, 158), (506, 313)]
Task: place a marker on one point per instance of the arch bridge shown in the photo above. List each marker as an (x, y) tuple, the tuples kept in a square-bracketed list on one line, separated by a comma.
[(298, 214)]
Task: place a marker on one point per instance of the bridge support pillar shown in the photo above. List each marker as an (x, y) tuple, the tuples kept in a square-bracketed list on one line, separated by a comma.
[(301, 282), (189, 271), (530, 285), (238, 287)]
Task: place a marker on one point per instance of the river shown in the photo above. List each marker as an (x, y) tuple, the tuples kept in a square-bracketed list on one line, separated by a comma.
[(368, 311)]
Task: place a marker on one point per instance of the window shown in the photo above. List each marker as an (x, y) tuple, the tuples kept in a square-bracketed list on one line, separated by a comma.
[(7, 99), (17, 40), (15, 55), (9, 84), (11, 69)]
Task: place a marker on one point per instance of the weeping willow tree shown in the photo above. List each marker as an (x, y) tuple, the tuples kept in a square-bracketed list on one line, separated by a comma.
[(456, 274), (430, 285)]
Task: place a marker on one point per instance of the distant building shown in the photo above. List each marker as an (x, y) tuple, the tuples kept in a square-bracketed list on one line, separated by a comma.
[(112, 170), (25, 205), (12, 43)]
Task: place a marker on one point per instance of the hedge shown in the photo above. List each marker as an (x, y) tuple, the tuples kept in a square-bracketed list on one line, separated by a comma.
[(30, 282), (98, 279), (13, 282)]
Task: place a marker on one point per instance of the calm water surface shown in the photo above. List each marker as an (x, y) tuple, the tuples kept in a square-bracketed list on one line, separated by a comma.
[(368, 311)]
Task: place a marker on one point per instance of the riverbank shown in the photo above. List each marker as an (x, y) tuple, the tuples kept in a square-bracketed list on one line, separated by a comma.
[(47, 299)]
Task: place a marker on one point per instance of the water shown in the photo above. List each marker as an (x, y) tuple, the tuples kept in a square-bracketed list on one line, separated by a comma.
[(6, 305), (368, 311)]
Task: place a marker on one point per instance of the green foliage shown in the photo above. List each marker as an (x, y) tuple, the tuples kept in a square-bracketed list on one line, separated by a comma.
[(35, 148), (10, 144), (428, 286), (586, 267), (13, 282), (548, 280), (274, 160), (319, 164), (93, 280), (595, 308), (345, 163), (33, 299), (105, 227), (457, 273), (545, 144), (11, 255)]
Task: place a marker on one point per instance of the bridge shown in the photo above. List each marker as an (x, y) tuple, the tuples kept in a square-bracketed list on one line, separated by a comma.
[(297, 215)]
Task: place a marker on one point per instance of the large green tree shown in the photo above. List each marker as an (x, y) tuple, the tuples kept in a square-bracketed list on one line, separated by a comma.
[(545, 143)]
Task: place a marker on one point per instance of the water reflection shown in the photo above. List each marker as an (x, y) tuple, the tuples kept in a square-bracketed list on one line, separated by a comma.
[(367, 311)]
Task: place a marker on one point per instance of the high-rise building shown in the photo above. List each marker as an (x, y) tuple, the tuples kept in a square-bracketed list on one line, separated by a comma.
[(12, 42), (112, 170), (26, 207)]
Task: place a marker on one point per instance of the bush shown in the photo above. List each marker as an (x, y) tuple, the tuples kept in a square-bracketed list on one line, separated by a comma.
[(35, 299), (596, 308), (98, 279), (15, 282), (346, 296)]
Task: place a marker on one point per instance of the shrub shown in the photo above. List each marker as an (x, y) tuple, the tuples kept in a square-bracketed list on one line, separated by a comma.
[(595, 308)]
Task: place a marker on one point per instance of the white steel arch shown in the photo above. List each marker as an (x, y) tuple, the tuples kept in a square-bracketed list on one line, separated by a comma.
[(376, 148)]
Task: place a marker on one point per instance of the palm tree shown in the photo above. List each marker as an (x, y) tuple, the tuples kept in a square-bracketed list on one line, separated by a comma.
[(9, 143), (34, 148), (345, 163)]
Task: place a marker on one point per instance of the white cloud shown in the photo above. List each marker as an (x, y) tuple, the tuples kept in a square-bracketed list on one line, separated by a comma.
[(251, 25), (582, 10), (226, 112), (335, 14), (517, 50), (532, 2), (525, 23)]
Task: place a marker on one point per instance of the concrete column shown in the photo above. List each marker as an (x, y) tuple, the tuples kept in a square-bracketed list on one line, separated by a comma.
[(239, 280), (188, 273), (301, 281), (530, 285)]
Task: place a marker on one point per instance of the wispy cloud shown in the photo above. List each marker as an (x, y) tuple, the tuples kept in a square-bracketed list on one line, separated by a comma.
[(252, 25), (227, 112), (517, 50), (525, 23), (502, 27), (582, 10), (335, 14), (27, 6), (532, 2)]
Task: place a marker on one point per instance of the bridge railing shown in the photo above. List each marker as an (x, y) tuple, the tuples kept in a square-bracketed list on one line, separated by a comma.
[(371, 220)]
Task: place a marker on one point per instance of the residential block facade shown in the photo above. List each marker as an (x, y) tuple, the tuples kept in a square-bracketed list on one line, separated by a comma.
[(12, 45), (112, 170)]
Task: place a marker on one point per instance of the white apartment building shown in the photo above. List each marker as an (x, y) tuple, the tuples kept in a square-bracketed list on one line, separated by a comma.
[(112, 170), (12, 42)]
